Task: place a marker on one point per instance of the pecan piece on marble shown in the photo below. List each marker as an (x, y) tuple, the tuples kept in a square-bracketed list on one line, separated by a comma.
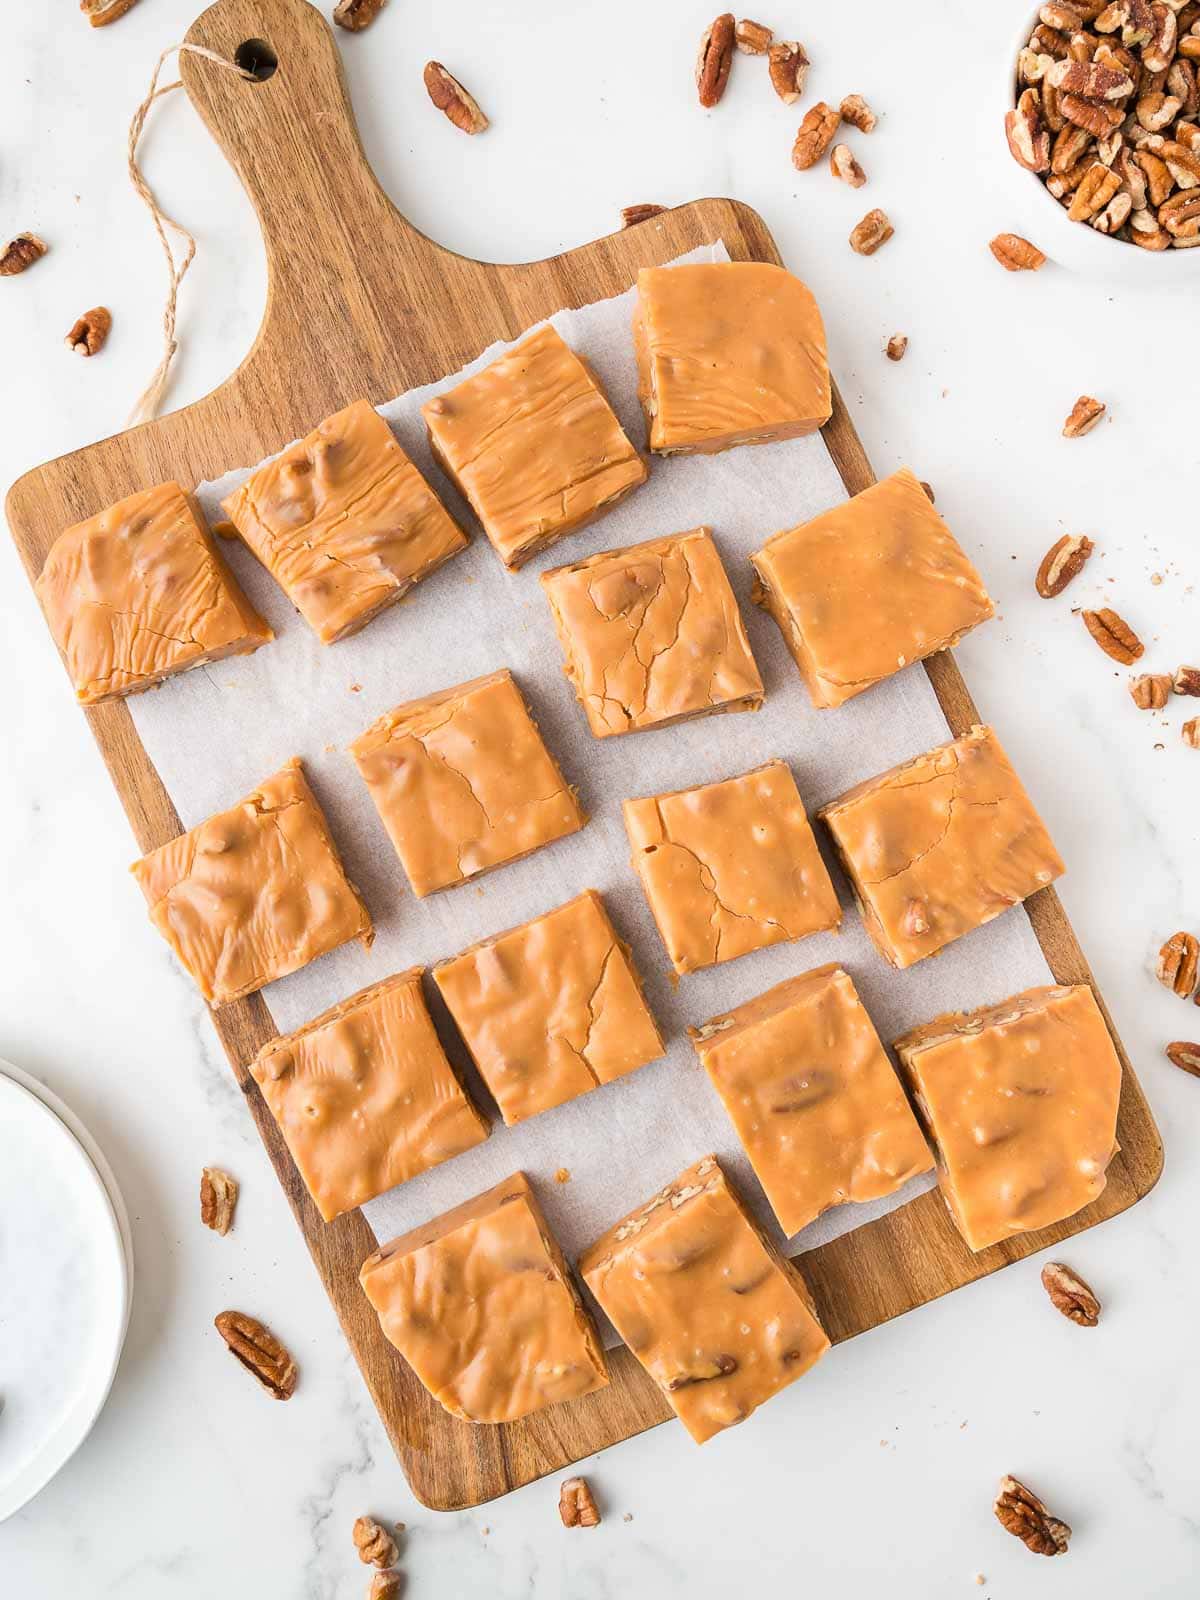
[(1150, 691), (1179, 964), (1062, 564), (1114, 635), (101, 12), (714, 59), (1185, 1055), (873, 231), (577, 1505), (20, 253), (1187, 680), (1016, 254), (260, 1352), (815, 135), (896, 346), (89, 331), (858, 113), (386, 1586), (843, 165), (218, 1199), (632, 215), (449, 96), (375, 1545), (1022, 1514), (355, 15), (787, 68), (1085, 414), (752, 38), (1070, 1295)]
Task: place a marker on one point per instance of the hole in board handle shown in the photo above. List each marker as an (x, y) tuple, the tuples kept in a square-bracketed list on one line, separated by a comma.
[(256, 57)]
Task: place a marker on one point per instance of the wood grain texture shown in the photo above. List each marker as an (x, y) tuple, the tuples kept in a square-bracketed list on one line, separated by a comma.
[(360, 303)]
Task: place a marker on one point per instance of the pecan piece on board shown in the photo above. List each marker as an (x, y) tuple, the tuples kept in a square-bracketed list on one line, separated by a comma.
[(1022, 1514), (218, 1199), (375, 1545), (1185, 1056), (20, 253), (101, 12), (1016, 254), (1150, 691), (1179, 964), (1114, 635), (874, 230), (714, 59), (260, 1352), (858, 113), (1070, 1295), (787, 68), (89, 332), (356, 15), (1187, 680), (1085, 414), (1062, 563), (815, 135), (752, 38), (577, 1505), (632, 215), (448, 95), (896, 346), (843, 165)]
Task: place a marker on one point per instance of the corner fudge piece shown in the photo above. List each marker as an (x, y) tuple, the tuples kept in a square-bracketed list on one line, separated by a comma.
[(255, 892), (1020, 1101), (344, 522), (730, 867), (940, 845), (868, 587), (813, 1097), (533, 445), (652, 634), (551, 1009), (482, 1306), (365, 1096), (728, 353), (716, 1317), (140, 592), (464, 783)]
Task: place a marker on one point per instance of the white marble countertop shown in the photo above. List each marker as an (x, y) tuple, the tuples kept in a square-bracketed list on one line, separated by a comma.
[(877, 1472)]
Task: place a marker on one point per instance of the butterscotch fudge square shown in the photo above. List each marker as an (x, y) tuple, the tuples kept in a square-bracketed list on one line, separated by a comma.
[(551, 1009), (652, 634), (365, 1096), (344, 522), (728, 353), (867, 587), (718, 1319), (255, 892), (730, 867), (1020, 1100), (140, 592), (534, 446), (464, 783), (482, 1306), (940, 845), (813, 1097)]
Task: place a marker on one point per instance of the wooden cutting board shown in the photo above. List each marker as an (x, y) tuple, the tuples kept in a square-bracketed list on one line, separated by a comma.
[(360, 303)]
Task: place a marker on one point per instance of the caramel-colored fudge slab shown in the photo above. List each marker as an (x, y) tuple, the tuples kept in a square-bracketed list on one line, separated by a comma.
[(728, 353), (139, 592), (365, 1096), (940, 845), (255, 892), (652, 634), (344, 522), (813, 1097), (482, 1306), (534, 446), (716, 1317), (1020, 1100), (868, 587), (551, 1009), (730, 867), (464, 783)]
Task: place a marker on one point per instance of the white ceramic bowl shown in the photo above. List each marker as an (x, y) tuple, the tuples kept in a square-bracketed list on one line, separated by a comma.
[(1074, 245)]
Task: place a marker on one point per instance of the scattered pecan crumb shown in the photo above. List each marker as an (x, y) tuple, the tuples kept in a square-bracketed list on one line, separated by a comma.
[(843, 165), (632, 215), (1179, 964), (1085, 414), (218, 1198), (1016, 254), (20, 253), (752, 38), (1191, 733), (858, 113), (815, 135), (1021, 1513), (928, 488), (874, 230), (101, 12), (260, 1352), (896, 346), (787, 68), (1150, 690), (386, 1586), (375, 1545), (448, 95), (1187, 680), (1113, 634), (1062, 563), (1185, 1056), (357, 14), (715, 59), (1070, 1295), (563, 1175), (576, 1506), (88, 334)]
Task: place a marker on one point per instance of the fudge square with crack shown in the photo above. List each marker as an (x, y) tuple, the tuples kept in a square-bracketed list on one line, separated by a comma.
[(1020, 1100), (139, 592), (730, 867), (255, 892), (463, 782), (868, 587), (940, 845), (813, 1097), (344, 522), (551, 1009), (728, 353), (533, 445), (482, 1306), (717, 1318), (652, 634), (365, 1096)]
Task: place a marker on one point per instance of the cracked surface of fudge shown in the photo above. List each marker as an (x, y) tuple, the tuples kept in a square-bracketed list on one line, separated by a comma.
[(140, 592)]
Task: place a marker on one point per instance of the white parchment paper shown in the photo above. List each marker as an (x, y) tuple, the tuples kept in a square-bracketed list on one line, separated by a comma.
[(216, 732)]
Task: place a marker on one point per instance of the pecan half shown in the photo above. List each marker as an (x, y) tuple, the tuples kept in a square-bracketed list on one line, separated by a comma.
[(1070, 1295), (1157, 111), (874, 230), (1150, 690), (1095, 190), (1179, 964), (1115, 214), (1085, 414), (576, 1504), (1159, 181), (1091, 80), (89, 332), (1187, 680), (1062, 564), (260, 1352), (1114, 635), (715, 59), (1022, 1514), (1033, 66), (896, 346), (375, 1545), (858, 113), (20, 253), (357, 14), (1158, 51), (843, 165), (752, 38), (1185, 1056), (815, 135), (448, 95), (632, 215), (787, 68), (1016, 254), (101, 12), (1072, 148), (1190, 733), (1027, 137), (1063, 17), (1099, 119), (218, 1199), (1145, 232)]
